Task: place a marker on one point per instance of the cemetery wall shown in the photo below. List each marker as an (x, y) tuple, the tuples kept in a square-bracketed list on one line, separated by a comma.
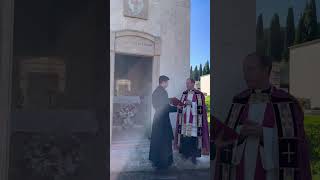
[(304, 71)]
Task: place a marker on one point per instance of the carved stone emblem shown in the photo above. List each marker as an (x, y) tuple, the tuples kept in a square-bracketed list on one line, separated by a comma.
[(136, 8)]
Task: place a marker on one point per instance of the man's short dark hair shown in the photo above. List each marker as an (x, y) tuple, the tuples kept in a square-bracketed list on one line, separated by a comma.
[(265, 61), (192, 80), (163, 79)]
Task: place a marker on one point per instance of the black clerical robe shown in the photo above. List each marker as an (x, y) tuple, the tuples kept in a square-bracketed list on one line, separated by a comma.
[(162, 135)]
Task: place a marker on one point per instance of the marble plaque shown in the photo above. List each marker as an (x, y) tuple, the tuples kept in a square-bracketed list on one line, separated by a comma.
[(134, 45), (136, 8)]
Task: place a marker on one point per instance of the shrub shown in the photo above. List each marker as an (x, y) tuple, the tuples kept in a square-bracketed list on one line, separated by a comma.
[(313, 136), (208, 107)]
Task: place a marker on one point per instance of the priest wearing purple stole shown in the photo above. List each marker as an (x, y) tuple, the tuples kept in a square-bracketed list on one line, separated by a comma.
[(192, 135), (271, 142)]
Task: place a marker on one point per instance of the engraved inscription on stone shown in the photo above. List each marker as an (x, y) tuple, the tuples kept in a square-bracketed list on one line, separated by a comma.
[(135, 45), (136, 8)]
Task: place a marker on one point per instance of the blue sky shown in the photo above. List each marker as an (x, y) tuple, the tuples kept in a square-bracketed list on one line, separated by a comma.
[(200, 22), (200, 32)]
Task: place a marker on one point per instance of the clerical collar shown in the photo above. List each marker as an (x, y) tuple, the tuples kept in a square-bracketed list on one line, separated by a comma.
[(265, 91)]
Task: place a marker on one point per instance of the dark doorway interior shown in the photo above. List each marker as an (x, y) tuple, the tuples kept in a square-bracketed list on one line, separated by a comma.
[(133, 81)]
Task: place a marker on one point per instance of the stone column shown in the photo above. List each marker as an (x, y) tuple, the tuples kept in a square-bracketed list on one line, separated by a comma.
[(112, 62), (6, 37), (155, 73), (233, 36)]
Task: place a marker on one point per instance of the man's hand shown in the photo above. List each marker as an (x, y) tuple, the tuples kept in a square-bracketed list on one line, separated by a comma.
[(220, 143), (251, 130), (188, 102), (180, 107)]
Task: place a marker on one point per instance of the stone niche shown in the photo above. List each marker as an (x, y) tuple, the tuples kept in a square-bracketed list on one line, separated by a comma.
[(132, 45), (51, 70)]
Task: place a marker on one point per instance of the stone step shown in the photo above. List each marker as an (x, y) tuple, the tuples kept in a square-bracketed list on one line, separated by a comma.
[(203, 174)]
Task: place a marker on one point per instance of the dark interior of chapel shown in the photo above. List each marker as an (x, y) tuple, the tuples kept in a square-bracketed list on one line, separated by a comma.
[(60, 86)]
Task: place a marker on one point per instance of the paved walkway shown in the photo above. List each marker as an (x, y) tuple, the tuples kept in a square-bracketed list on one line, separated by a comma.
[(129, 160)]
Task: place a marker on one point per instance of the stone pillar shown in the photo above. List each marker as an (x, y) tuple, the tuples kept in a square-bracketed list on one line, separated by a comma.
[(6, 37), (112, 64), (233, 36), (155, 76)]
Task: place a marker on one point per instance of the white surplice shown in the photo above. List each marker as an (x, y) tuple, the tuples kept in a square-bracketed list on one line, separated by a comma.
[(250, 148), (193, 109), (256, 114)]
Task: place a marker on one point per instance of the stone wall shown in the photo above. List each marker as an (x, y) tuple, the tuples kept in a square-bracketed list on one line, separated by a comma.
[(234, 29), (205, 84), (169, 20), (304, 72)]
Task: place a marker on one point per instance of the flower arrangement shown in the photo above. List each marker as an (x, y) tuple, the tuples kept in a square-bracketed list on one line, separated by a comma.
[(127, 112), (52, 156)]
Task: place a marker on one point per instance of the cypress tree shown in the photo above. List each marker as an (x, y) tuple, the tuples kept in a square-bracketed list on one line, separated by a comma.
[(207, 68), (196, 74), (290, 33), (313, 31), (301, 31), (276, 43), (260, 39)]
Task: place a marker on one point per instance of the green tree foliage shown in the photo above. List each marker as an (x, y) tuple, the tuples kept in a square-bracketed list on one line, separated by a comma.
[(260, 38), (206, 69), (301, 34), (308, 29), (290, 33), (313, 136), (276, 43), (196, 74), (200, 70), (312, 23)]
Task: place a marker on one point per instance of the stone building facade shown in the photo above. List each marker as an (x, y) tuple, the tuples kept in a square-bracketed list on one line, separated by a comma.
[(154, 29)]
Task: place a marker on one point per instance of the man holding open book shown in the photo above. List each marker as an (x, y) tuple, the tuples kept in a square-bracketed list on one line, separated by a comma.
[(192, 134)]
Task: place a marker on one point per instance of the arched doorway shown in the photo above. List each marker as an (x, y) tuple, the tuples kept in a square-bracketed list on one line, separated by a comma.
[(134, 72)]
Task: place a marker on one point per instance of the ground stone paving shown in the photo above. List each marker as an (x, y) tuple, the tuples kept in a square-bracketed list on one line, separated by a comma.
[(129, 160)]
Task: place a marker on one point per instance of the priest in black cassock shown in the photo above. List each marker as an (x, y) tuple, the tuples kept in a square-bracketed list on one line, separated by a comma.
[(162, 135)]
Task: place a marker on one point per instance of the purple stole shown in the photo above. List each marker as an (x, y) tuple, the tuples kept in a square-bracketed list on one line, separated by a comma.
[(283, 111), (201, 121)]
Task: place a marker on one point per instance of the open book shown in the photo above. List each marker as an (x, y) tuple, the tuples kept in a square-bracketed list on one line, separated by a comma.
[(176, 102)]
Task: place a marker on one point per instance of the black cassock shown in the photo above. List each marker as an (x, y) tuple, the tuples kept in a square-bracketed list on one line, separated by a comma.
[(162, 135)]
